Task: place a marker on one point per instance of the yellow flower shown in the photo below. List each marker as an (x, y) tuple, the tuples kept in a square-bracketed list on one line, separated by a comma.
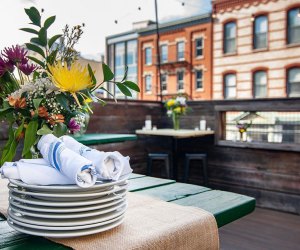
[(177, 110), (171, 103), (70, 79)]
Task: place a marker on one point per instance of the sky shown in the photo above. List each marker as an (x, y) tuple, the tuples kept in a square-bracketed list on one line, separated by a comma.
[(99, 16)]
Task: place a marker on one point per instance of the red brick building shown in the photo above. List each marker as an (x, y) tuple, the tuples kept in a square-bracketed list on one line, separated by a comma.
[(185, 58), (256, 49)]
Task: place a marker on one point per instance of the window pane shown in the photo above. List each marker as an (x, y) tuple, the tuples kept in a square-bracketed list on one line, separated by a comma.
[(180, 50), (119, 59), (164, 81), (148, 83), (260, 84), (164, 53), (260, 32), (294, 82), (230, 38), (230, 86), (148, 56), (293, 26), (180, 80), (199, 47), (199, 79)]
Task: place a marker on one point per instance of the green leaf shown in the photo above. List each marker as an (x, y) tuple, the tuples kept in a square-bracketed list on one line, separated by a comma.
[(5, 111), (43, 36), (49, 21), (44, 130), (125, 75), (123, 89), (108, 74), (34, 16), (30, 136), (37, 102), (132, 86), (35, 48), (52, 57), (36, 41), (29, 30), (63, 101), (52, 40), (60, 129), (104, 89), (37, 61), (91, 72)]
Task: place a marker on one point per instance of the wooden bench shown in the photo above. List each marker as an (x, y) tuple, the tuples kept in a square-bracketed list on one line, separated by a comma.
[(225, 206)]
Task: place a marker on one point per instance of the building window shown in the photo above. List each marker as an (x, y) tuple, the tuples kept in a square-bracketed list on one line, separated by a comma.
[(119, 59), (148, 83), (199, 79), (131, 57), (164, 53), (293, 29), (230, 38), (229, 86), (260, 84), (148, 56), (199, 47), (180, 51), (293, 82), (164, 82), (260, 34), (180, 83)]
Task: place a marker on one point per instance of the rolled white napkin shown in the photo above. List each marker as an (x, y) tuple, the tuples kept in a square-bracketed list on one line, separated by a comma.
[(109, 165), (77, 168), (33, 173)]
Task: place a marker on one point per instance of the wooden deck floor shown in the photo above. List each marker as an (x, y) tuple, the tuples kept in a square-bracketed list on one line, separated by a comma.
[(263, 229)]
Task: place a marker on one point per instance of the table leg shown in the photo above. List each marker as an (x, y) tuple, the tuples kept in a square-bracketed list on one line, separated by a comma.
[(175, 157)]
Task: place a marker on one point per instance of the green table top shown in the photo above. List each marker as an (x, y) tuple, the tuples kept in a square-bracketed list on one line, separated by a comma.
[(225, 206), (94, 139)]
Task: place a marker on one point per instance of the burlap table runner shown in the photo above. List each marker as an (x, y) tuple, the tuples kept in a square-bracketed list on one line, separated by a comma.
[(151, 224)]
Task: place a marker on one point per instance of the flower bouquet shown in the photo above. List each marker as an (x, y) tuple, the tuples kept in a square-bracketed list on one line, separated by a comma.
[(176, 107), (242, 127), (43, 88)]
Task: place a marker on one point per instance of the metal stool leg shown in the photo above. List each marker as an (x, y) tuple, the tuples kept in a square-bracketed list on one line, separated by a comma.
[(167, 165)]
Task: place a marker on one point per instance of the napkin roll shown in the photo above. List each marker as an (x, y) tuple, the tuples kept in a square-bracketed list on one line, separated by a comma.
[(109, 165), (75, 167), (34, 172)]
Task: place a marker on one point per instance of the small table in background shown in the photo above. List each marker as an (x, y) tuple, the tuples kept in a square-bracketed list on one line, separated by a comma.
[(175, 135)]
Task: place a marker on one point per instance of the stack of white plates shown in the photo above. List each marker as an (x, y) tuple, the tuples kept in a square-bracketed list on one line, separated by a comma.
[(66, 211)]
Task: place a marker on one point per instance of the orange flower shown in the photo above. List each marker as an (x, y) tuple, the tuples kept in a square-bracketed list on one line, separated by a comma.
[(59, 118), (18, 103), (42, 112)]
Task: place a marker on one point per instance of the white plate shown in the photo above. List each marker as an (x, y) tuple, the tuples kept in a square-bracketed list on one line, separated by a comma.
[(66, 222), (49, 209), (72, 228), (67, 196), (64, 234), (67, 188), (67, 216), (31, 200)]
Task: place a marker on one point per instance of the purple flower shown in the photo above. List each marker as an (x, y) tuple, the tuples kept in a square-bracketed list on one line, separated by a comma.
[(73, 126), (5, 66), (27, 68), (15, 54)]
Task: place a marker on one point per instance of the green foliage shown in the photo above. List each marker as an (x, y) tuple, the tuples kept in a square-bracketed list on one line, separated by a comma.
[(37, 102), (132, 85), (35, 48), (34, 16), (123, 89), (36, 61), (43, 37), (91, 72), (29, 30), (49, 21), (107, 73), (60, 129), (52, 40), (63, 101), (44, 130), (30, 136)]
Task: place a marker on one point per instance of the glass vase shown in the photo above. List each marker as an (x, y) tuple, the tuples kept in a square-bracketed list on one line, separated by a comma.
[(176, 123)]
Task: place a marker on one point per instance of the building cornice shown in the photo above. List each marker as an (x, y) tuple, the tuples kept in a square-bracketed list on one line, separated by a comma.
[(221, 6)]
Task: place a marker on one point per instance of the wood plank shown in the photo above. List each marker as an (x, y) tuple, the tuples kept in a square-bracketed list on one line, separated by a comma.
[(181, 133), (174, 191), (94, 139), (225, 206), (134, 176), (147, 182)]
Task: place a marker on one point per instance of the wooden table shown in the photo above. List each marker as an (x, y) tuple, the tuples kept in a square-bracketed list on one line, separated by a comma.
[(94, 139), (225, 206), (175, 135)]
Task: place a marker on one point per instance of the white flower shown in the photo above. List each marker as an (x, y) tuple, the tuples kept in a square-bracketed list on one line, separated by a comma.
[(181, 100), (169, 112)]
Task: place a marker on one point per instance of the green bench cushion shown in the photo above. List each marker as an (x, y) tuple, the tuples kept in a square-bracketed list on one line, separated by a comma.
[(94, 139)]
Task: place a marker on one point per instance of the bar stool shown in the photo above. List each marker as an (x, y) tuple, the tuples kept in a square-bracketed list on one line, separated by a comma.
[(159, 156), (200, 157)]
